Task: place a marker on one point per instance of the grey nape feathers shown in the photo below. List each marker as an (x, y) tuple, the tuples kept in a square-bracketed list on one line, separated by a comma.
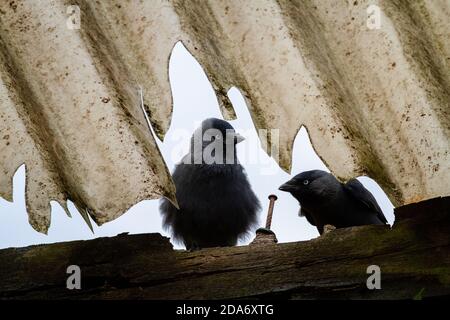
[(324, 200), (217, 204)]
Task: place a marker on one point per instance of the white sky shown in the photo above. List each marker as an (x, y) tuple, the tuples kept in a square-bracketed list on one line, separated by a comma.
[(194, 100)]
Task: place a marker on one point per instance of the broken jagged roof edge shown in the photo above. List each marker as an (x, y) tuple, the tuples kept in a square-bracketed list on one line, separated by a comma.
[(374, 100)]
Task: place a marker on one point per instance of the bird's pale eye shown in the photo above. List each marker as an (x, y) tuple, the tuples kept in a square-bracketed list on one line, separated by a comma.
[(305, 182)]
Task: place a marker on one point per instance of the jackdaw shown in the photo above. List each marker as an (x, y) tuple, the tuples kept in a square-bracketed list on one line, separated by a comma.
[(326, 201), (216, 203)]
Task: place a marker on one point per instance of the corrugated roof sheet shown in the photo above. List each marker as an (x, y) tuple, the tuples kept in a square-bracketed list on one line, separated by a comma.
[(374, 100)]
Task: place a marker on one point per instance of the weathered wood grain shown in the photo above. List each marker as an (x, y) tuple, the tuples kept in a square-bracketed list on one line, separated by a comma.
[(413, 256)]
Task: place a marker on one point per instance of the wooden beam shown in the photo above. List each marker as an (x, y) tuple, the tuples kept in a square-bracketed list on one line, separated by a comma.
[(413, 257)]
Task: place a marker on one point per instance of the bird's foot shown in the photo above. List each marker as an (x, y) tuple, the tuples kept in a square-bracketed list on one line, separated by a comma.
[(328, 228), (193, 247)]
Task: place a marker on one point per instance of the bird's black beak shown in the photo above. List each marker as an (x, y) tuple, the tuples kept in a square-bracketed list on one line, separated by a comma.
[(288, 186), (238, 138)]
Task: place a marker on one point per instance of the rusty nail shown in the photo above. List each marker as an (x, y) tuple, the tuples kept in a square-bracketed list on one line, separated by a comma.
[(272, 199)]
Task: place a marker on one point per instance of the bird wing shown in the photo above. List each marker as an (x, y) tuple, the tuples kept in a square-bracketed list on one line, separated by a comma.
[(360, 193)]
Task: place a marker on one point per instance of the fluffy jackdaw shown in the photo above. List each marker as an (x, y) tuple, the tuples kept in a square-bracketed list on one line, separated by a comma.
[(216, 203), (324, 200)]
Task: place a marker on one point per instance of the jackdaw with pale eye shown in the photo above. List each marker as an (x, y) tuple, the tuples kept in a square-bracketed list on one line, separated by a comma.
[(326, 201), (216, 203)]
